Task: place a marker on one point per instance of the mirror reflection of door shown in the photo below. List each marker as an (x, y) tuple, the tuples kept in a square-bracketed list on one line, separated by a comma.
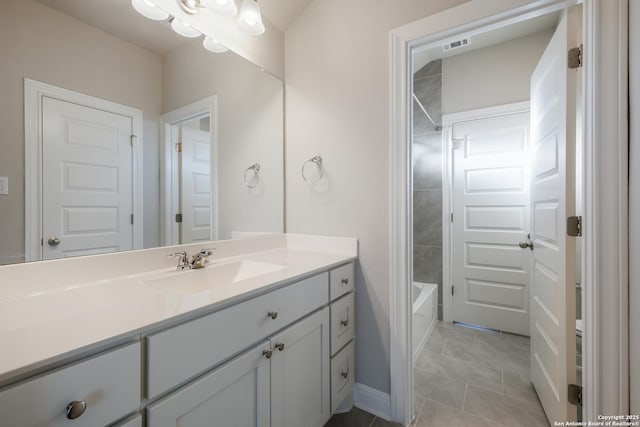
[(87, 197), (194, 157)]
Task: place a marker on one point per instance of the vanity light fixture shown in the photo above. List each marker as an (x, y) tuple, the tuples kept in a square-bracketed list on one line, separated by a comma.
[(184, 29), (213, 46), (149, 9), (250, 19)]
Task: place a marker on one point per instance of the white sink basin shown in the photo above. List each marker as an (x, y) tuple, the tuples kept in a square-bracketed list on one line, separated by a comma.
[(212, 275)]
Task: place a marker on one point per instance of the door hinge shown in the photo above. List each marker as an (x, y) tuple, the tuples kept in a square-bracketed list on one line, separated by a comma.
[(179, 147), (574, 226), (42, 242), (179, 217), (131, 138), (575, 394), (451, 216), (131, 219), (575, 57), (452, 287)]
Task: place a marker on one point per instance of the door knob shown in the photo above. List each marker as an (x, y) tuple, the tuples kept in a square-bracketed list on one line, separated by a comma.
[(53, 241), (527, 244)]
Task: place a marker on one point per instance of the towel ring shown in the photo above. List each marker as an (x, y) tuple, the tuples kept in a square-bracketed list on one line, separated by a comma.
[(317, 161), (249, 181)]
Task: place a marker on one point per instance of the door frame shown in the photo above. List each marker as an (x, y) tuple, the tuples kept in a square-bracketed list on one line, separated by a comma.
[(605, 207), (34, 91), (447, 189), (169, 189)]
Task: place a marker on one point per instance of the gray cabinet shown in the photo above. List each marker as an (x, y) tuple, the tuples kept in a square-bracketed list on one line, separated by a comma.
[(233, 395), (300, 387), (102, 389)]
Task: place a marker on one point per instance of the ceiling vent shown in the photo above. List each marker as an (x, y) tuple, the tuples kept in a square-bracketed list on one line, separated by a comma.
[(455, 44)]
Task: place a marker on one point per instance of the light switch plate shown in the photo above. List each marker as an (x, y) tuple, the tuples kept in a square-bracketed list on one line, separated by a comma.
[(4, 185)]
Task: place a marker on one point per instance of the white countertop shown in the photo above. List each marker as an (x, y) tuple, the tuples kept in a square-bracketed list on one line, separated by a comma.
[(49, 324)]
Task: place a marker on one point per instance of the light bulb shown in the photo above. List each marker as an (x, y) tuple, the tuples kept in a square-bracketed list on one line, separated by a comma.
[(250, 19), (148, 9), (222, 7), (213, 46), (184, 29)]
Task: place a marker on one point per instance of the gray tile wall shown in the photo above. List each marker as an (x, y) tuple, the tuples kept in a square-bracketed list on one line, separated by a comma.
[(427, 177)]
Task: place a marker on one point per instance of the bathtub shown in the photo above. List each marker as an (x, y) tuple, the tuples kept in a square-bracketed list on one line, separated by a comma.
[(425, 315)]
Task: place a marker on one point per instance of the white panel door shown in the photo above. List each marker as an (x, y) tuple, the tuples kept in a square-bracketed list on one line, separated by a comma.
[(300, 391), (195, 186), (234, 395), (491, 216), (552, 200), (86, 180)]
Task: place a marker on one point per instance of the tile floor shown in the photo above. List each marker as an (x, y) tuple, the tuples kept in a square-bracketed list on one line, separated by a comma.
[(470, 377), (467, 377)]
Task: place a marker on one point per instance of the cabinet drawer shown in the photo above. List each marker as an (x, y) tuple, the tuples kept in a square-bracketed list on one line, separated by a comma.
[(343, 325), (342, 375), (109, 384), (342, 281), (180, 353)]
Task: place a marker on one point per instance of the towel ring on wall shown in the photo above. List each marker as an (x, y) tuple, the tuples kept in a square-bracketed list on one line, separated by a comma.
[(251, 180), (317, 161)]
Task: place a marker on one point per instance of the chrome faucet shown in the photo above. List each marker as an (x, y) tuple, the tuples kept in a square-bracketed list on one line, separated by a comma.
[(183, 260), (199, 260)]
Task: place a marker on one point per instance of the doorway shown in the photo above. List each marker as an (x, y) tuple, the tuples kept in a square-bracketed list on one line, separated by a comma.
[(190, 174), (508, 183)]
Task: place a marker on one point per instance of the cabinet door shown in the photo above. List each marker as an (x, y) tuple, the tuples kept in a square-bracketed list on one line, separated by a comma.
[(234, 395), (300, 374)]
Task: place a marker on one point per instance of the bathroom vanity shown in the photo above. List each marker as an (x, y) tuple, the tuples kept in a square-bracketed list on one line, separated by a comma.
[(262, 336)]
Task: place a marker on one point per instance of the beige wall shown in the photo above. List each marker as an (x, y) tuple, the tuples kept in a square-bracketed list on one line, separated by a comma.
[(44, 45), (337, 105), (494, 75), (250, 129)]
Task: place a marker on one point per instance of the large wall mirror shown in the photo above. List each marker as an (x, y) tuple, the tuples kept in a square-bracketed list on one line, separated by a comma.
[(119, 134)]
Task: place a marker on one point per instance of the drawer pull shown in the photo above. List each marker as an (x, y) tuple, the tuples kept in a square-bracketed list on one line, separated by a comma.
[(280, 346), (75, 409), (344, 322), (272, 314), (267, 353), (345, 281), (344, 374)]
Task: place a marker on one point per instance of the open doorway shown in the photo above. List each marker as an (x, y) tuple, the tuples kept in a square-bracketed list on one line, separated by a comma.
[(190, 174), (494, 177)]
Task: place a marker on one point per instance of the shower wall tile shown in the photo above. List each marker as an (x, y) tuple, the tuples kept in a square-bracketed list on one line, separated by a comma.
[(431, 69), (427, 178), (427, 264), (429, 93), (427, 218), (427, 161)]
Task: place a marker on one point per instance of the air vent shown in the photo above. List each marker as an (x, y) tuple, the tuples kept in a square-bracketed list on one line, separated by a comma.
[(455, 44)]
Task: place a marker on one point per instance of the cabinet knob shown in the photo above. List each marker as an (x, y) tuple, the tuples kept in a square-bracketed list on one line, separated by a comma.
[(267, 353), (53, 241), (344, 322), (272, 314), (75, 409), (345, 281), (280, 346), (344, 374)]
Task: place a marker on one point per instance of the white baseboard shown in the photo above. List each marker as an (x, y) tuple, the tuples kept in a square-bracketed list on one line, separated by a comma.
[(373, 401)]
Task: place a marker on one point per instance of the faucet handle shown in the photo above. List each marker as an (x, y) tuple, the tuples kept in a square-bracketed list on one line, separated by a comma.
[(183, 259), (200, 259)]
